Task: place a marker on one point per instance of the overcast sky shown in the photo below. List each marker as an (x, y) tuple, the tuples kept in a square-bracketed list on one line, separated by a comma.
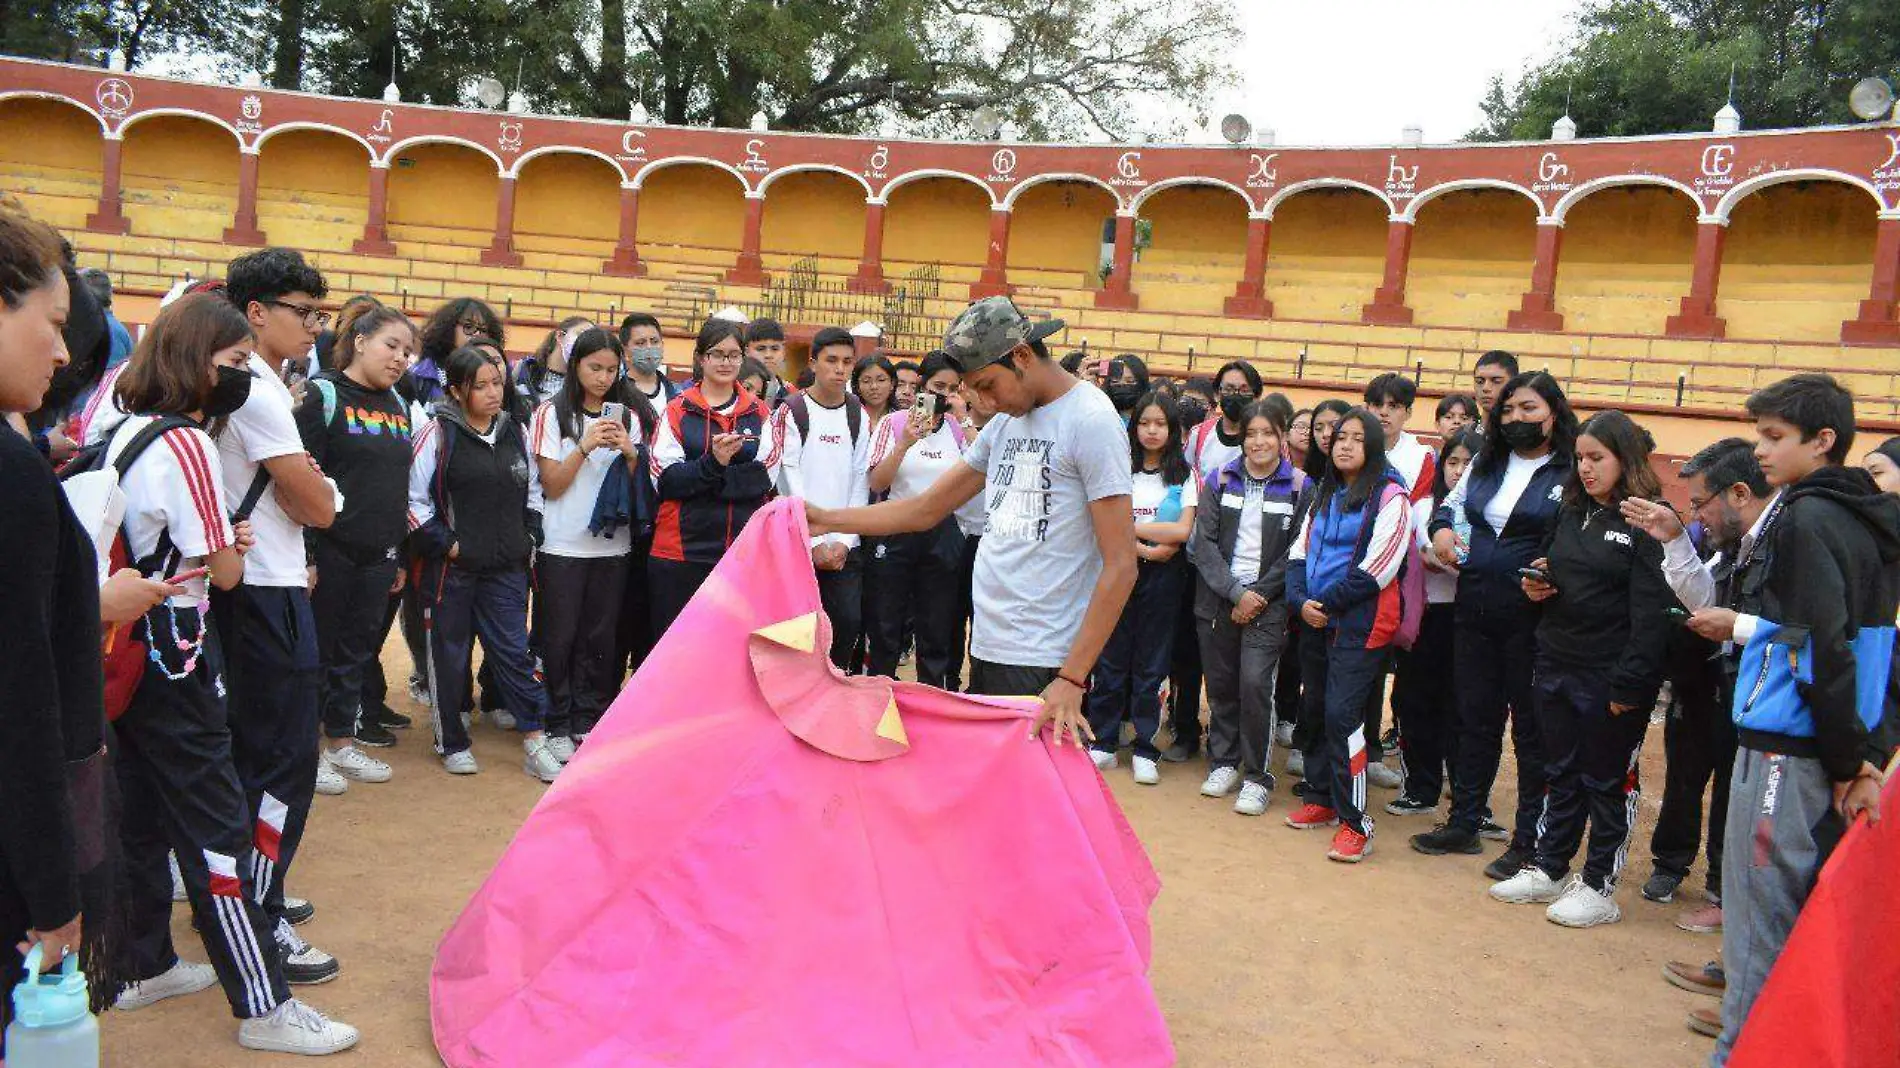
[(1356, 73)]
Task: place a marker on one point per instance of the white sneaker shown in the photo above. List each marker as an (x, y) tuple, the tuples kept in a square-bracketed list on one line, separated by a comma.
[(1104, 760), (178, 878), (562, 747), (418, 692), (539, 761), (1296, 763), (462, 763), (352, 763), (185, 977), (502, 719), (328, 781), (294, 1027), (1252, 800), (1283, 734), (1582, 906), (1530, 886), (1220, 782), (1147, 772), (1384, 777), (304, 964)]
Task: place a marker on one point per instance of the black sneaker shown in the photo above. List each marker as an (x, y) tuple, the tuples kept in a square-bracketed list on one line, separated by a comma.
[(298, 912), (1661, 887), (1444, 839), (1407, 805), (1509, 863), (1180, 754), (1492, 831), (374, 735), (1389, 741), (385, 716), (303, 963)]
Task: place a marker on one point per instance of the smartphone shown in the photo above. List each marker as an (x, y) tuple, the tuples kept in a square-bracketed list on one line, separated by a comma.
[(1677, 614), (186, 576), (613, 410), (924, 408), (1534, 575)]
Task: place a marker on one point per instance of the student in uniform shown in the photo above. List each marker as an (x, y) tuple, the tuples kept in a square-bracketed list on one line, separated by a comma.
[(909, 379), (874, 382), (1342, 571), (474, 516), (645, 346), (916, 575), (1602, 636), (823, 448), (266, 631), (355, 425), (645, 349), (1134, 664), (1455, 412), (1216, 442), (580, 569), (177, 771), (1241, 538), (712, 469), (1508, 501), (765, 345), (453, 325)]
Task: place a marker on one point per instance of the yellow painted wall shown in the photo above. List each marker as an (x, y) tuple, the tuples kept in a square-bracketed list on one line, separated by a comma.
[(814, 213), (565, 195), (312, 190), (446, 186), (1628, 253), (1198, 249), (938, 220), (1798, 260), (692, 205), (48, 134), (1472, 252), (1057, 226), (180, 177), (1327, 254)]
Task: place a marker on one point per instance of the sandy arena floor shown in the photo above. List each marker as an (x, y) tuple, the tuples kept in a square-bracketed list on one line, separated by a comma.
[(1265, 952)]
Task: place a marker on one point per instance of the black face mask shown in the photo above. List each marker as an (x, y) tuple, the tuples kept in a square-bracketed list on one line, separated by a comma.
[(1233, 406), (1193, 413), (232, 390), (1523, 437), (1123, 396)]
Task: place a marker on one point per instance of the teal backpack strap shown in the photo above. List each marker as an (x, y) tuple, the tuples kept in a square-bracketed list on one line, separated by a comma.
[(327, 390)]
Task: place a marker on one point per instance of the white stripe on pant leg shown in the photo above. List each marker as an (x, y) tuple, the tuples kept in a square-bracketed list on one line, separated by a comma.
[(246, 943), (222, 907), (1633, 792)]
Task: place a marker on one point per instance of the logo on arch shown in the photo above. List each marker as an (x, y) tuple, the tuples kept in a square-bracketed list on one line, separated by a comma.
[(509, 139), (385, 129), (115, 97), (249, 112), (1003, 165), (754, 161), (1264, 174), (633, 147), (1128, 170)]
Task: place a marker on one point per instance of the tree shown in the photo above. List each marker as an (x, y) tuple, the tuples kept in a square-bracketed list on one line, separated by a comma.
[(1662, 66)]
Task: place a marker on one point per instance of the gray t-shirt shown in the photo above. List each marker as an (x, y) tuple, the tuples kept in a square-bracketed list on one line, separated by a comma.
[(1038, 562)]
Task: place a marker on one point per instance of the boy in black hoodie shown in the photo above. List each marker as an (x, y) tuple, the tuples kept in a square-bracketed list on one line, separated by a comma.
[(1810, 697)]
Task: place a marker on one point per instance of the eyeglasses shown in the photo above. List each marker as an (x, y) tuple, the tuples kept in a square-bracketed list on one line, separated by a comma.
[(723, 356), (1235, 391), (473, 326), (1695, 506), (310, 315)]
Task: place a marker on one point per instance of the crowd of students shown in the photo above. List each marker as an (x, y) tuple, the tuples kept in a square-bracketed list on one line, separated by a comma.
[(293, 489)]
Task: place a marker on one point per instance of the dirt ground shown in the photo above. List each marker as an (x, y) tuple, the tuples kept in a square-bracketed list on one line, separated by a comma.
[(1265, 952)]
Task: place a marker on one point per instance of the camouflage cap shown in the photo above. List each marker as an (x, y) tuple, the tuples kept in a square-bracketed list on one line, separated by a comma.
[(989, 330)]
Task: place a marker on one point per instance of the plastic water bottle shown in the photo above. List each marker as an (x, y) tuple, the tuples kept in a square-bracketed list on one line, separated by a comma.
[(1461, 526), (52, 1023)]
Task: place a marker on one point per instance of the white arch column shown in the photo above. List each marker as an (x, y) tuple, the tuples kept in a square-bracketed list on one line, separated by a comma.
[(1538, 311)]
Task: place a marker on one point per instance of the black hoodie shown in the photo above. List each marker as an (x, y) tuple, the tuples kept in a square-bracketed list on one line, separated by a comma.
[(1833, 572), (1608, 614)]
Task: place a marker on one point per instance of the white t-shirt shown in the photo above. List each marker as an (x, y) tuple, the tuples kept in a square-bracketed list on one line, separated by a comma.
[(175, 485), (564, 519), (1517, 475), (1037, 566), (1149, 490), (1206, 451), (1246, 565), (264, 429), (925, 462), (828, 469)]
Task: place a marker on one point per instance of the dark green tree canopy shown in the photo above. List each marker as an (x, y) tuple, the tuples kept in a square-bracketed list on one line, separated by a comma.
[(1052, 68), (1662, 66)]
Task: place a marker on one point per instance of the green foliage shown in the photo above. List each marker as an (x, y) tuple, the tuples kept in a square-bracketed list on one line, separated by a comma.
[(1662, 66)]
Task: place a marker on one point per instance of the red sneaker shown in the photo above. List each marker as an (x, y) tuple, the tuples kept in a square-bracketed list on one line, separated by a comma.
[(1310, 816), (1349, 846)]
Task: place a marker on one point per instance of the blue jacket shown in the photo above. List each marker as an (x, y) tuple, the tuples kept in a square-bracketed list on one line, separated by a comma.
[(1488, 581), (1349, 560), (1816, 675)]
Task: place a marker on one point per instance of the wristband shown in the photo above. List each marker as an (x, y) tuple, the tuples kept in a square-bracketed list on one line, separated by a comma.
[(1083, 686)]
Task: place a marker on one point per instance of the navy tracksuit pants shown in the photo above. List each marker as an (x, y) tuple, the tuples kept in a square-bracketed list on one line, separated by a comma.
[(1336, 680), (1134, 663), (458, 606)]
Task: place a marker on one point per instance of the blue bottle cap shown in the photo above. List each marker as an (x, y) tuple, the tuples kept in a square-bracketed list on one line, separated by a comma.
[(54, 999)]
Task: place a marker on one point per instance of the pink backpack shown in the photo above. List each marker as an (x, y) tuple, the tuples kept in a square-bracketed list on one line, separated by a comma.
[(1411, 580)]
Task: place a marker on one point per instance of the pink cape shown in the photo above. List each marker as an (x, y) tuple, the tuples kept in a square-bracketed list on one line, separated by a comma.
[(755, 861)]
